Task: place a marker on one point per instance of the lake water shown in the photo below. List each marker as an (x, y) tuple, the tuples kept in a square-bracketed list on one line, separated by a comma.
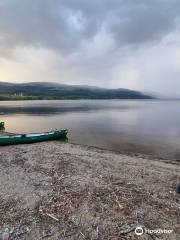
[(151, 127)]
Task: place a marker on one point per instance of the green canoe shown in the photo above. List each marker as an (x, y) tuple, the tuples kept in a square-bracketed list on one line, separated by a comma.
[(32, 138)]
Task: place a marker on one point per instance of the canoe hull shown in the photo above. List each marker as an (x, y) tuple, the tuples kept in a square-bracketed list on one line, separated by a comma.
[(33, 138)]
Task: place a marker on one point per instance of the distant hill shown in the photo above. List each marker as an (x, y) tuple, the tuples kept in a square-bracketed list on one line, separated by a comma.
[(44, 90)]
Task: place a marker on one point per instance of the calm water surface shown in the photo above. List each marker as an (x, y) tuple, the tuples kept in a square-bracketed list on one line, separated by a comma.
[(151, 127)]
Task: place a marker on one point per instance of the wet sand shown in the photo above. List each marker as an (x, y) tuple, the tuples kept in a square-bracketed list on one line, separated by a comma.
[(56, 190)]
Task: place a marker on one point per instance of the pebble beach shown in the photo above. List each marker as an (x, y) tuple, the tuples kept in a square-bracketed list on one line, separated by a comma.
[(57, 190)]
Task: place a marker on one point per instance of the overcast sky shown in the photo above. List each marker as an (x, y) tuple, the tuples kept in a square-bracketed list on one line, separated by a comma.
[(111, 43)]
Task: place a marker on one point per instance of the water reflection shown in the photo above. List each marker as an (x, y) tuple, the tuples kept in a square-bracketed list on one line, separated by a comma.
[(152, 127), (57, 107)]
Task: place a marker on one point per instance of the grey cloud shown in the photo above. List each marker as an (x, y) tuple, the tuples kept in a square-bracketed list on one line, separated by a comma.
[(144, 21), (64, 24), (47, 24)]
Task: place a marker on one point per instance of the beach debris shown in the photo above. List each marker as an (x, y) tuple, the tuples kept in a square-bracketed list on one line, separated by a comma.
[(126, 228), (44, 213), (52, 216), (119, 205), (47, 234), (97, 232), (19, 230), (71, 201), (6, 234), (14, 233), (82, 234)]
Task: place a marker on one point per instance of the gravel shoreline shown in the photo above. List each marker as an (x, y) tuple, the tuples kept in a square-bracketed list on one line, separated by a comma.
[(57, 190)]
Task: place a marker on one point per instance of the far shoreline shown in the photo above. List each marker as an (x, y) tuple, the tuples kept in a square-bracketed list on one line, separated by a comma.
[(76, 99), (96, 99)]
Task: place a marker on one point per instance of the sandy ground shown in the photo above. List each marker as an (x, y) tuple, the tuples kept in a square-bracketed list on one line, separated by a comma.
[(57, 190)]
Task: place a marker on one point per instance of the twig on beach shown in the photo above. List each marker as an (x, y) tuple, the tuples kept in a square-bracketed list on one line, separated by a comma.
[(42, 212), (52, 216), (116, 200), (82, 234), (97, 232), (61, 177), (77, 226)]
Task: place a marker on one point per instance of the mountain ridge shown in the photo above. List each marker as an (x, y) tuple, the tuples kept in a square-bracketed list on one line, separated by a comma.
[(48, 90)]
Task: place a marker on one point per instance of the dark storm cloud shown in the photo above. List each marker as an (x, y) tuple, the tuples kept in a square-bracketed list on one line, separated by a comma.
[(64, 24), (114, 43), (48, 24), (137, 22)]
